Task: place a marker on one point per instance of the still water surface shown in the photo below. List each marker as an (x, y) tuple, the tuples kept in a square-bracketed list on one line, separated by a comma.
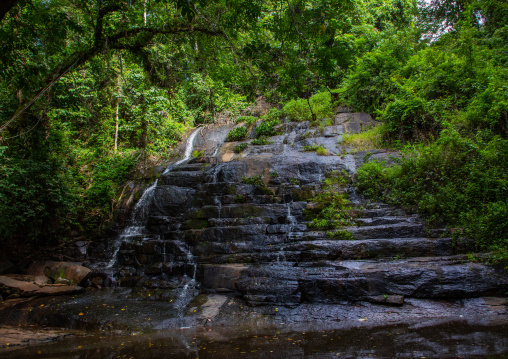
[(450, 340)]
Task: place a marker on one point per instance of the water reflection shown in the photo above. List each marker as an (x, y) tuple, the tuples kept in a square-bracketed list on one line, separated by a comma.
[(451, 340)]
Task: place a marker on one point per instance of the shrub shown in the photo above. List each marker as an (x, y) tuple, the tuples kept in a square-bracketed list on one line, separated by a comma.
[(410, 119), (273, 115), (298, 110), (322, 151), (366, 140), (331, 211), (248, 120), (254, 180), (260, 141), (237, 134), (266, 128), (240, 147), (198, 153), (340, 234), (456, 181), (319, 149)]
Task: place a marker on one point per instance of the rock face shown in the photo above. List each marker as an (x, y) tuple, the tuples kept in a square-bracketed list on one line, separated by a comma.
[(235, 223)]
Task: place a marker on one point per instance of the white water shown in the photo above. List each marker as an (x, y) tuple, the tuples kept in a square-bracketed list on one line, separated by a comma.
[(136, 228), (189, 147), (185, 292), (142, 209)]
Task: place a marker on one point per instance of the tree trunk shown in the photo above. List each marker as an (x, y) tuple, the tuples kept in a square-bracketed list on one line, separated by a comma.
[(116, 124)]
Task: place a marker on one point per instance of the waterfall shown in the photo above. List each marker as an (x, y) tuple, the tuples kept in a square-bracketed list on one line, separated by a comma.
[(189, 146), (136, 227), (137, 224), (183, 296)]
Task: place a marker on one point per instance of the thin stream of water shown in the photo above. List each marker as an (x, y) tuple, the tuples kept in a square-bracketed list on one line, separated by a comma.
[(142, 209)]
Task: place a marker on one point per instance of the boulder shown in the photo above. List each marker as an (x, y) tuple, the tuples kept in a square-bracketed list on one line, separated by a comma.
[(73, 272), (18, 286)]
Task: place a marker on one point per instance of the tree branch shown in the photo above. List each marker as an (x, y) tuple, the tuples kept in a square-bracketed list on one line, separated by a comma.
[(113, 41)]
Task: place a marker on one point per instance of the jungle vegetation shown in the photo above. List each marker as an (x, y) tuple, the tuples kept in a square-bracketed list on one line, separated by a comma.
[(91, 90)]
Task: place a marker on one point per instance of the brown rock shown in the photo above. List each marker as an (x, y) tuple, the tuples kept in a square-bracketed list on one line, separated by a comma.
[(24, 287), (74, 272)]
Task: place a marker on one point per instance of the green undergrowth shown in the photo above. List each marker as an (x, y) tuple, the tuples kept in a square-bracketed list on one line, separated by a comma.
[(260, 141), (237, 134), (366, 140), (457, 181), (331, 208), (258, 182), (319, 149), (266, 128), (299, 110), (240, 147), (248, 120)]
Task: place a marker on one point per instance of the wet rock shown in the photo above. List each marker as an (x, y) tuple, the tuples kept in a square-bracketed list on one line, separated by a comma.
[(71, 271), (17, 286), (15, 336), (387, 299), (63, 281), (51, 290), (208, 230)]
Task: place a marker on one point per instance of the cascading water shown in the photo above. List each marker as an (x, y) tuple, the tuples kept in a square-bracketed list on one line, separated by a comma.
[(185, 293), (137, 226), (189, 146)]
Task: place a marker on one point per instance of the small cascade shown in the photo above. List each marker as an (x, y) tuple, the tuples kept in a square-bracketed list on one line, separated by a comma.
[(189, 146), (186, 293), (136, 228)]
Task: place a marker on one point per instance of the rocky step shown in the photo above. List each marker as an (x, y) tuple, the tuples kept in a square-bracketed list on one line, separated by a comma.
[(335, 281), (278, 213), (188, 179), (376, 221), (204, 200), (380, 212), (396, 230), (245, 252)]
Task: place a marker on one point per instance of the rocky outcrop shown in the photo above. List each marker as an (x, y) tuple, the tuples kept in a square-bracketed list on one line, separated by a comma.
[(235, 223)]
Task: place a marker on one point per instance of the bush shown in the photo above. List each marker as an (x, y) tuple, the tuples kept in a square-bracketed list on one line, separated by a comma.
[(266, 128), (330, 212), (273, 114), (340, 234), (255, 181), (456, 181), (237, 134), (319, 149), (366, 140), (240, 147), (298, 110), (410, 119), (248, 120), (198, 153), (260, 141)]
